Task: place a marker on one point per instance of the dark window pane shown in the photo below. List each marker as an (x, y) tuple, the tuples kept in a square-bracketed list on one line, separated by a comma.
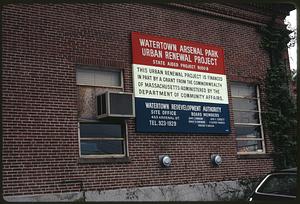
[(100, 130), (248, 131), (249, 146), (101, 147), (243, 90), (244, 104), (246, 117), (280, 184)]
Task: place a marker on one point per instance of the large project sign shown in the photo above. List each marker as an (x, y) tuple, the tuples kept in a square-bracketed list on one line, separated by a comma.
[(179, 86)]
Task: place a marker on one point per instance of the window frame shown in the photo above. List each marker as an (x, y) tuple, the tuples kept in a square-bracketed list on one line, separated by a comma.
[(124, 132), (262, 139)]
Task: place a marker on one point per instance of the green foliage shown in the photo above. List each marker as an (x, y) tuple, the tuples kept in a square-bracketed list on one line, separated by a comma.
[(248, 185), (79, 200), (280, 118)]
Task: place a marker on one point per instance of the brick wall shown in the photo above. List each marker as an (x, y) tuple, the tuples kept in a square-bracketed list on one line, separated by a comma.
[(41, 46)]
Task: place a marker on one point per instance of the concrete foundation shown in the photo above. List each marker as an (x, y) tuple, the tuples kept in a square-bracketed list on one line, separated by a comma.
[(54, 197), (213, 191)]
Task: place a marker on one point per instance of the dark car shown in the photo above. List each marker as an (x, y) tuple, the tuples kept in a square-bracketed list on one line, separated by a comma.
[(279, 185)]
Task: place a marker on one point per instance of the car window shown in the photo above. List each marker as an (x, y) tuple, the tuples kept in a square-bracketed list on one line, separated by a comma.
[(282, 184)]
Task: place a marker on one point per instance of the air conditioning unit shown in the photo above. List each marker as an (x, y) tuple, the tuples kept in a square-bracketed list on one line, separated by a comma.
[(115, 104)]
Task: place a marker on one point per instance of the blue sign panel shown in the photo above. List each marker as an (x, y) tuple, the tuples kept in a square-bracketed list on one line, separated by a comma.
[(181, 116)]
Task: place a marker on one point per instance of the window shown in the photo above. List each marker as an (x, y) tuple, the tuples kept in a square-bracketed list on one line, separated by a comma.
[(247, 118), (98, 138), (102, 139), (93, 77)]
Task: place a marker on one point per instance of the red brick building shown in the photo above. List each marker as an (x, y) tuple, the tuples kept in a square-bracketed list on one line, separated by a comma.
[(56, 58)]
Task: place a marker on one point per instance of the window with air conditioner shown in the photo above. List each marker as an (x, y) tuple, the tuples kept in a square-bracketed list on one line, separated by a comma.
[(99, 138)]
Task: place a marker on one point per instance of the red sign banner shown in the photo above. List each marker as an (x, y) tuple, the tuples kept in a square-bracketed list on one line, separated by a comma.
[(178, 54)]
